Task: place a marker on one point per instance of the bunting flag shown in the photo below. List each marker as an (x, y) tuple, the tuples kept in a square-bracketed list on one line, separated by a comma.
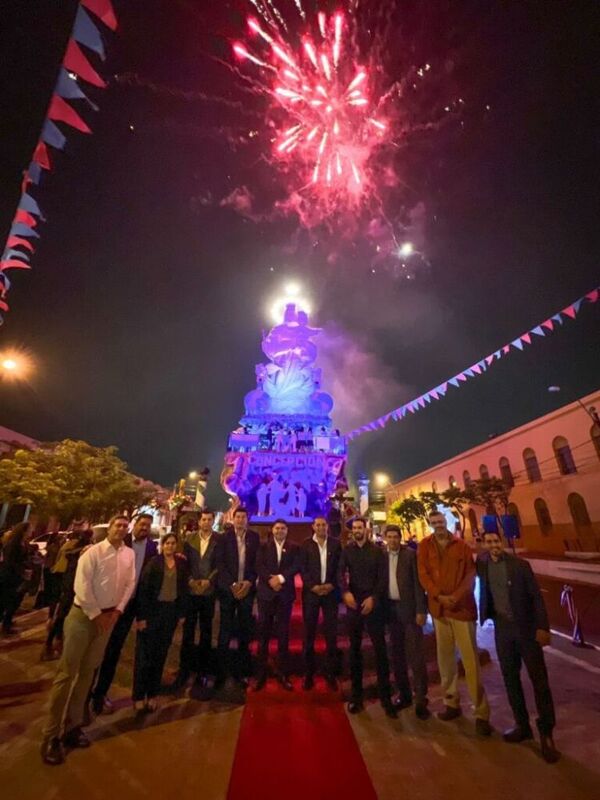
[(570, 312), (85, 36)]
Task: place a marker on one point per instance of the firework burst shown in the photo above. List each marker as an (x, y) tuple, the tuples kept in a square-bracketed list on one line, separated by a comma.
[(324, 108)]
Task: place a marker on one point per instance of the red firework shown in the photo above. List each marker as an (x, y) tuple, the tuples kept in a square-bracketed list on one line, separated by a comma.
[(329, 125)]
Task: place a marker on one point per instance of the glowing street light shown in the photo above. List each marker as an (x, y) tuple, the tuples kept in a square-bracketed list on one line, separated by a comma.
[(406, 250), (381, 480), (193, 475), (291, 293), (15, 365)]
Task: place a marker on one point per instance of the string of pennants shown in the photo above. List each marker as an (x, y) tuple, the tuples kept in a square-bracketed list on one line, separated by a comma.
[(85, 36), (520, 343)]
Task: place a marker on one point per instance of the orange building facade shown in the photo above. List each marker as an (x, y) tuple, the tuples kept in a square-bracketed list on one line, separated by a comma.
[(553, 467)]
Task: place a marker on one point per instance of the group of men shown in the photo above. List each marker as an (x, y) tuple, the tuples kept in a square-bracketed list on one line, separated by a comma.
[(382, 589)]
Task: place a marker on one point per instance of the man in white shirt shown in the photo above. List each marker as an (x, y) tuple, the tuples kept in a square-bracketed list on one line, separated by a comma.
[(104, 583)]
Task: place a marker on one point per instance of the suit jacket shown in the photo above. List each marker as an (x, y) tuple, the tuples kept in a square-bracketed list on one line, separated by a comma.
[(202, 567), (362, 571), (151, 583), (266, 565), (412, 597), (527, 604), (227, 559), (310, 563), (150, 552)]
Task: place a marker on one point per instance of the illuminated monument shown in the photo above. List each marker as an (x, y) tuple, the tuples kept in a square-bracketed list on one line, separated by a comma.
[(285, 459)]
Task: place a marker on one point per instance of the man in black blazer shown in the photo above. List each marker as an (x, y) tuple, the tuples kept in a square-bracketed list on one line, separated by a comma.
[(236, 587), (319, 563), (200, 550), (277, 564), (406, 613), (362, 578), (144, 549), (510, 596)]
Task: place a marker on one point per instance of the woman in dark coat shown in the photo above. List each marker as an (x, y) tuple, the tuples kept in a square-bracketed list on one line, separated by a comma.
[(162, 600), (15, 572)]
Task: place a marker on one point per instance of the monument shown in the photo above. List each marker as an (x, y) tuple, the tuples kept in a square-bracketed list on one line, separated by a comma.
[(285, 459)]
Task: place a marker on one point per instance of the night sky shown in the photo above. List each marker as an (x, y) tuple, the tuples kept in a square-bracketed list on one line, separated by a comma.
[(145, 306)]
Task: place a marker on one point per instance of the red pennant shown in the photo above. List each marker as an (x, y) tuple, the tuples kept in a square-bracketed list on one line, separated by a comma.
[(570, 311), (3, 305), (526, 338), (12, 263), (18, 241), (476, 368), (26, 218), (103, 10), (41, 157), (593, 296), (61, 111), (549, 324), (76, 62), (489, 359)]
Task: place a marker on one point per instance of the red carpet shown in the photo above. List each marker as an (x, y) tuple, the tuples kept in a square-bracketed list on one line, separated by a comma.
[(298, 745)]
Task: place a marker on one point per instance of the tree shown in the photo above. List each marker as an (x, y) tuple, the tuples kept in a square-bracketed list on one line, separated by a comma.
[(407, 511), (456, 499), (72, 479), (491, 493)]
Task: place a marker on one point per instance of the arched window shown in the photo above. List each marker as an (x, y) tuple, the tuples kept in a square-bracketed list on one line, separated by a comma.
[(467, 478), (484, 473), (564, 456), (543, 515), (434, 487), (452, 482), (579, 512), (473, 522), (531, 465), (595, 434), (506, 472), (513, 509)]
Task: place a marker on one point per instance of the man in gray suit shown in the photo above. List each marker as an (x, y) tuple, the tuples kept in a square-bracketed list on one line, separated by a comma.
[(200, 551), (406, 608)]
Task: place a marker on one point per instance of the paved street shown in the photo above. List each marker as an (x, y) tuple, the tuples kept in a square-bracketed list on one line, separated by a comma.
[(187, 749)]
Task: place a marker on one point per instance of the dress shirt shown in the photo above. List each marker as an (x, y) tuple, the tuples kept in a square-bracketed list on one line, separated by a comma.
[(498, 587), (139, 550), (394, 592), (279, 547), (204, 542), (105, 578), (322, 557), (241, 546)]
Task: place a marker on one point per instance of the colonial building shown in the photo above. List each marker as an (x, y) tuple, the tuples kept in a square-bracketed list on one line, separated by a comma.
[(552, 465)]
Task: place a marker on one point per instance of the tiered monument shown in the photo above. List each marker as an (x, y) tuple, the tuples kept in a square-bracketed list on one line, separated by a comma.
[(285, 459)]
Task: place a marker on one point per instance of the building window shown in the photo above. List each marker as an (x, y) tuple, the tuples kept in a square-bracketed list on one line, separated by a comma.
[(579, 512), (467, 478), (543, 515), (564, 456), (452, 482), (473, 522), (484, 473), (513, 510), (531, 465), (595, 434), (506, 472)]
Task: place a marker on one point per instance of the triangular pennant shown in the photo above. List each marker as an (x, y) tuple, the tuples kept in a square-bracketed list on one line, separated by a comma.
[(517, 343), (3, 306), (41, 156), (103, 10), (489, 359), (593, 296), (526, 338), (10, 252), (52, 136), (12, 263), (558, 318), (434, 394), (34, 172), (17, 241), (61, 111), (26, 218), (577, 305), (570, 311), (506, 348), (443, 387), (469, 372), (539, 331), (549, 324), (85, 32), (67, 87), (76, 62), (27, 203), (454, 382), (475, 368), (19, 229), (498, 354)]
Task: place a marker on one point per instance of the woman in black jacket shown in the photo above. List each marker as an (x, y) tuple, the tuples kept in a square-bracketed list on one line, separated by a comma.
[(162, 600)]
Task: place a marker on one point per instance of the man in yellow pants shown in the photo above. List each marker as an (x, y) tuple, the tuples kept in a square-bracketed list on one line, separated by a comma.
[(447, 573)]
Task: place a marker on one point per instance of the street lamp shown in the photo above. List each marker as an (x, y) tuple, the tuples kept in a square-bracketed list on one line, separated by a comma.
[(406, 249), (15, 365), (381, 480), (193, 475)]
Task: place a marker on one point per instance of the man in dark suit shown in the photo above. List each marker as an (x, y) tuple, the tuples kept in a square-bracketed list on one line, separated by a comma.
[(144, 548), (406, 613), (510, 596), (276, 565), (319, 563), (362, 577), (200, 551), (236, 586)]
